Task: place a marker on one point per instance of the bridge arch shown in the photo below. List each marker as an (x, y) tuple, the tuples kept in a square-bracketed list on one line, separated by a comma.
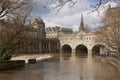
[(98, 49), (66, 48), (81, 50)]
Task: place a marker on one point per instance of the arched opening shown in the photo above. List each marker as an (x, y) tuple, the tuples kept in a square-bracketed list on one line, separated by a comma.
[(66, 49), (98, 50), (81, 50)]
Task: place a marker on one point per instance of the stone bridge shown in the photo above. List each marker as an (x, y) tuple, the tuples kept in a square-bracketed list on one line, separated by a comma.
[(81, 42)]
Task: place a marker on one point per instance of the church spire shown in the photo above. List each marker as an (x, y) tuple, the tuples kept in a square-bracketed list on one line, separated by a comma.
[(81, 28)]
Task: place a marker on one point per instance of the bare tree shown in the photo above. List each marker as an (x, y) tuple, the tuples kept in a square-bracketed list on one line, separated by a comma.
[(61, 3), (13, 7), (112, 36), (13, 25), (110, 33)]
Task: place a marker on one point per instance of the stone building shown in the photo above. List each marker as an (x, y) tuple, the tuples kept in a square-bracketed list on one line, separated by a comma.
[(39, 25), (33, 39), (62, 40), (38, 41), (54, 32), (79, 42)]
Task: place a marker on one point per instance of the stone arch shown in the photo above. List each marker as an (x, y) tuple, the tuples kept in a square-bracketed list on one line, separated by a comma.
[(98, 49), (66, 49), (81, 50)]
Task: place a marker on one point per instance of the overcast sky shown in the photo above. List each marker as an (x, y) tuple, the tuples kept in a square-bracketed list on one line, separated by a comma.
[(69, 17)]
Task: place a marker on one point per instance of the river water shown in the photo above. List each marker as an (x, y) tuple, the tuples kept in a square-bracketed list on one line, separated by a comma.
[(64, 67)]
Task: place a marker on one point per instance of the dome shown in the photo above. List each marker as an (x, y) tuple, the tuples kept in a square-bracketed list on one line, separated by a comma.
[(38, 20)]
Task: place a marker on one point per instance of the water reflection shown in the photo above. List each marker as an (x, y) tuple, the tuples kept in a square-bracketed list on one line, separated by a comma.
[(81, 55), (63, 67)]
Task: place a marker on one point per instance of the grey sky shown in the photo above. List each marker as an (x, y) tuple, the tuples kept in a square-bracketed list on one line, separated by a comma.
[(69, 17)]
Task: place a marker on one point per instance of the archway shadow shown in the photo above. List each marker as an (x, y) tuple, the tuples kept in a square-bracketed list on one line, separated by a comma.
[(81, 51), (66, 51), (96, 50)]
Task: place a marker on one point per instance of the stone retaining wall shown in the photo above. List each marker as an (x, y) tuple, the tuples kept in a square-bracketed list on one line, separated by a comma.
[(9, 64)]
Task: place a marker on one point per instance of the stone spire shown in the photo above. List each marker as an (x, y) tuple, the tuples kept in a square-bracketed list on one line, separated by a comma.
[(81, 28)]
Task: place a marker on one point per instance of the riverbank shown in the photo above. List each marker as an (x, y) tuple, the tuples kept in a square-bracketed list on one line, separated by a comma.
[(25, 57), (110, 60)]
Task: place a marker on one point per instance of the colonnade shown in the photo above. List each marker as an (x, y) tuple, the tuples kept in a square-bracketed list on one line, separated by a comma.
[(49, 47), (42, 46)]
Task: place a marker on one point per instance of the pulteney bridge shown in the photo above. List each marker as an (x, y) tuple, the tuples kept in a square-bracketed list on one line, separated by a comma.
[(81, 42)]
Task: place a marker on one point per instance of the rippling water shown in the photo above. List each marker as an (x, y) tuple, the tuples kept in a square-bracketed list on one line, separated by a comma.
[(64, 67)]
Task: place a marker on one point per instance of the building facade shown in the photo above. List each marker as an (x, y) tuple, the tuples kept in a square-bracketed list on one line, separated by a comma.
[(64, 40), (37, 41), (54, 32), (79, 42)]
